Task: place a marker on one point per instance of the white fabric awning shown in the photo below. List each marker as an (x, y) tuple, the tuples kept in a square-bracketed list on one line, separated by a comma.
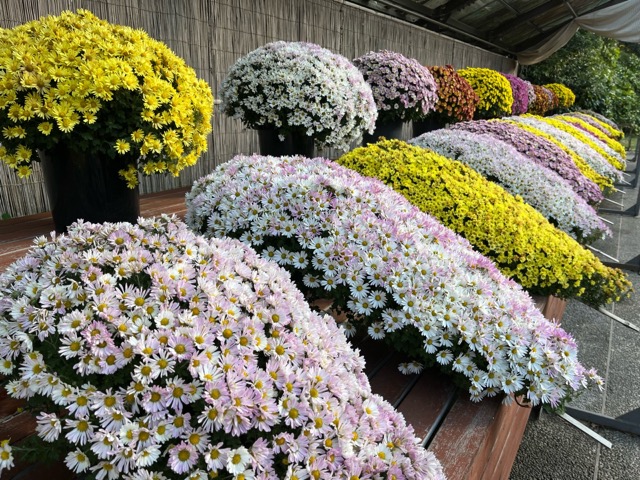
[(620, 21)]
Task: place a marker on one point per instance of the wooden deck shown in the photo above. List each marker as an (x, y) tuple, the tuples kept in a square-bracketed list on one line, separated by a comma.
[(472, 440)]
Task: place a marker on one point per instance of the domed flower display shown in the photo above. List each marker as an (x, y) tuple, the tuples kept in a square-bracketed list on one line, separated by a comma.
[(394, 271), (520, 91), (299, 88), (148, 352), (527, 124), (579, 143), (77, 80), (565, 95), (456, 98), (614, 151), (543, 101), (493, 89), (403, 88), (522, 243)]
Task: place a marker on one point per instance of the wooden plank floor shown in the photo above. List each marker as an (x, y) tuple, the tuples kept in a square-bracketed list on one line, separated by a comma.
[(473, 441)]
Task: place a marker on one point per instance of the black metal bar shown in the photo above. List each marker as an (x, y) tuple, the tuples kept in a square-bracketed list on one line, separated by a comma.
[(623, 266), (604, 421), (444, 411), (406, 390)]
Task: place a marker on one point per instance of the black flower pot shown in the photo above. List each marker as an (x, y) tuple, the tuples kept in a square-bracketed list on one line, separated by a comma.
[(427, 125), (293, 144), (388, 130), (86, 185)]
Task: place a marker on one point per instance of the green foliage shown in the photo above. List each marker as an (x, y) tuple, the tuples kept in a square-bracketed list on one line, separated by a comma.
[(603, 73)]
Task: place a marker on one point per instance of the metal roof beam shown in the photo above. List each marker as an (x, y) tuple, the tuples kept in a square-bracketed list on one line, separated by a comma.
[(444, 11), (426, 14), (525, 17)]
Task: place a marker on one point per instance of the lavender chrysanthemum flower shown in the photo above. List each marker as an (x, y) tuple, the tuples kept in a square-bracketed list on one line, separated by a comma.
[(403, 88), (219, 361), (520, 92)]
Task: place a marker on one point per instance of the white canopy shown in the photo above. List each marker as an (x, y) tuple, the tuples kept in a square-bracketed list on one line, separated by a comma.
[(620, 21)]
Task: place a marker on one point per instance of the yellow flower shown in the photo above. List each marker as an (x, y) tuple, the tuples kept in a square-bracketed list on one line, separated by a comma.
[(45, 127), (23, 154), (122, 146), (137, 136), (89, 118), (14, 132), (24, 171), (68, 121)]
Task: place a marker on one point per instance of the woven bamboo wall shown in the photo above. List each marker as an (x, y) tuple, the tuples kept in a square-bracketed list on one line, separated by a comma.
[(211, 34)]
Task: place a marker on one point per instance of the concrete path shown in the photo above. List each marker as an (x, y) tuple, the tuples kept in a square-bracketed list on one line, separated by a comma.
[(552, 448)]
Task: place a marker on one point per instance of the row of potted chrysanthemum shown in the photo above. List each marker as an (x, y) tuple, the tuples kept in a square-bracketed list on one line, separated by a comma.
[(150, 351), (332, 102)]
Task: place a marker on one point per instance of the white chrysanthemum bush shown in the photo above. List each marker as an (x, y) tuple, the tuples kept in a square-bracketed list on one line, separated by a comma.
[(302, 89), (539, 186), (147, 351), (393, 271)]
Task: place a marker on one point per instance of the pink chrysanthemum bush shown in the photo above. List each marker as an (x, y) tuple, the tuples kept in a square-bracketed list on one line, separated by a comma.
[(393, 271), (538, 186), (403, 89), (539, 150), (147, 352)]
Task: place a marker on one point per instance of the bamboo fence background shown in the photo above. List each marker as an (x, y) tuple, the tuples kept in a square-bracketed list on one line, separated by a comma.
[(211, 34)]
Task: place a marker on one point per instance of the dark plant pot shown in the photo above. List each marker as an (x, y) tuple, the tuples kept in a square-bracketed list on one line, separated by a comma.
[(389, 131), (293, 144), (427, 125), (87, 186)]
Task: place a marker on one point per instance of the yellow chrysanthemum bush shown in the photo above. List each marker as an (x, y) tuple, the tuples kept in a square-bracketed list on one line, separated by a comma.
[(95, 86), (584, 137), (565, 95), (522, 243), (493, 89), (605, 184)]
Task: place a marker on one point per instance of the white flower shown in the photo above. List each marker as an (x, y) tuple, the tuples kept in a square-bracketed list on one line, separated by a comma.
[(48, 426), (77, 461), (6, 455), (237, 460)]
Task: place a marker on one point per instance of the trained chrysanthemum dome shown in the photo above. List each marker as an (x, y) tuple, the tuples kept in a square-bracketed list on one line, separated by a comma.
[(172, 355), (539, 150), (524, 245), (539, 186), (394, 271), (403, 88), (302, 89), (78, 80)]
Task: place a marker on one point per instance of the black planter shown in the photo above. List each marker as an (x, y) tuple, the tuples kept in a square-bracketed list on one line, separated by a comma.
[(387, 130), (293, 144), (87, 186), (427, 125)]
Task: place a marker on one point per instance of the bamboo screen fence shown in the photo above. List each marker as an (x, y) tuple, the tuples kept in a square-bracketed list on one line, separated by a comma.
[(211, 34)]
